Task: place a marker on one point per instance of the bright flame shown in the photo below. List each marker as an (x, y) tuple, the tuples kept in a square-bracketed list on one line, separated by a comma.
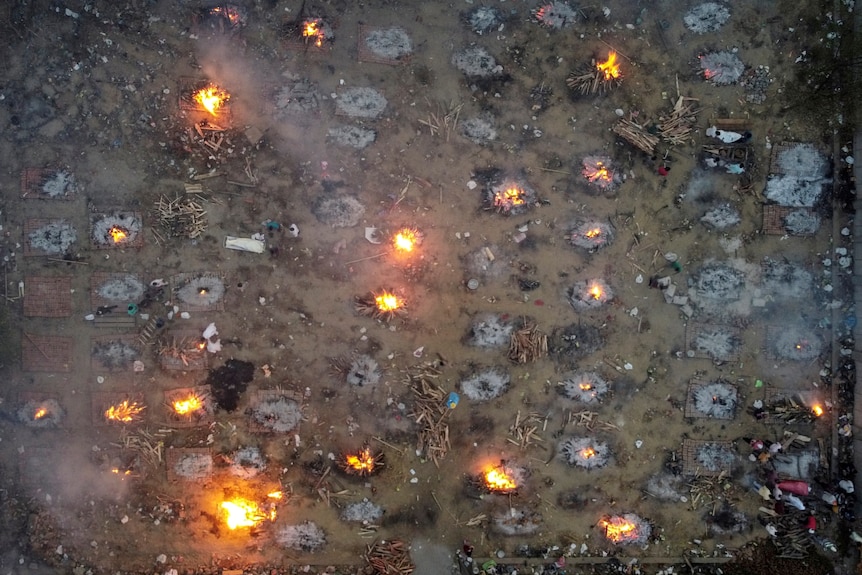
[(405, 240), (116, 471), (618, 529), (388, 302), (596, 292), (40, 413), (202, 345), (211, 98), (588, 452), (231, 13), (362, 463), (498, 480), (312, 30), (188, 405), (242, 513), (275, 495), (593, 233), (125, 411), (117, 234), (510, 197), (585, 386), (599, 172), (610, 67), (818, 410)]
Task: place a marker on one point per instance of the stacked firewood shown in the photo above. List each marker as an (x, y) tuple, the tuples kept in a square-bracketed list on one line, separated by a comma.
[(676, 127), (592, 80), (527, 344), (636, 135), (525, 430), (430, 412), (389, 558), (181, 217)]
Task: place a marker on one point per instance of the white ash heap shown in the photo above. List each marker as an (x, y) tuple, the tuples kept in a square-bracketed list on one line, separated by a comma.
[(246, 462), (194, 466), (586, 452), (53, 238), (717, 399), (486, 385), (586, 387), (719, 343), (364, 512), (128, 223), (706, 17), (802, 180), (556, 15), (123, 289), (58, 184), (797, 344), (714, 457), (363, 371), (361, 102), (201, 290), (41, 414), (490, 331), (306, 536), (514, 522), (391, 43), (278, 414)]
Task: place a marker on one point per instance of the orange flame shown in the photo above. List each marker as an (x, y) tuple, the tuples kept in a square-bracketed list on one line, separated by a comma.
[(405, 240), (596, 292), (188, 405), (593, 233), (211, 98), (122, 474), (600, 172), (508, 198), (275, 495), (498, 480), (388, 302), (588, 452), (117, 234), (362, 463), (585, 386), (40, 413), (242, 513), (231, 13), (610, 68), (312, 29), (124, 412), (618, 529), (817, 409)]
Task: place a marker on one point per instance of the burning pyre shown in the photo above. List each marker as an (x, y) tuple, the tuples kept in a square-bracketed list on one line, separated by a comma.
[(316, 31), (598, 77), (385, 305), (585, 452), (240, 512), (597, 171), (41, 414), (590, 294), (584, 387), (119, 229), (501, 479), (125, 411), (189, 405), (591, 235), (625, 529), (309, 32), (221, 18), (510, 198), (556, 15), (717, 399), (363, 463), (406, 240)]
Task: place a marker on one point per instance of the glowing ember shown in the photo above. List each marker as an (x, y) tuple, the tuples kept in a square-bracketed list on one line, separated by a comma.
[(593, 233), (818, 410), (596, 291), (312, 30), (499, 480), (118, 234), (388, 302), (40, 413), (188, 405), (275, 495), (405, 240), (619, 529), (600, 172), (242, 513), (229, 12), (585, 386), (510, 197), (610, 68), (211, 98), (588, 452), (124, 412), (362, 463)]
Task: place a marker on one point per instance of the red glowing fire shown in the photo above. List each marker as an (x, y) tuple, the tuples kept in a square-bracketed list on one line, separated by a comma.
[(312, 30), (211, 98), (405, 240), (188, 405), (118, 234), (40, 413), (363, 463), (618, 529), (587, 453), (817, 409), (585, 386), (510, 197), (610, 68), (500, 480), (596, 292), (242, 513), (388, 303), (599, 172), (124, 412), (229, 12)]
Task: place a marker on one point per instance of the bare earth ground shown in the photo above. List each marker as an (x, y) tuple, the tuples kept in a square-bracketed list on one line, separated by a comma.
[(98, 94)]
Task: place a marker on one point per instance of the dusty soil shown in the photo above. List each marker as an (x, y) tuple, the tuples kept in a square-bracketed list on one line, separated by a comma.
[(97, 90)]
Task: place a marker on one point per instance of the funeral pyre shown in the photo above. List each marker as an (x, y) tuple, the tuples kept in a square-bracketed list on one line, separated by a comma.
[(717, 399), (625, 529), (502, 479), (597, 171), (220, 18), (586, 452), (241, 512), (189, 405), (384, 305), (363, 463), (509, 198), (126, 411), (591, 235), (406, 240), (41, 414), (598, 77), (584, 387), (118, 229), (590, 294)]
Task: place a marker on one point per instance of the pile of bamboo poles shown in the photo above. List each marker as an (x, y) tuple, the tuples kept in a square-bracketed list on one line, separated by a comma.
[(209, 136), (185, 350), (709, 491), (789, 410), (592, 81), (525, 430), (527, 344), (636, 135), (149, 446), (430, 412), (590, 420), (389, 558), (792, 540), (181, 217), (676, 128)]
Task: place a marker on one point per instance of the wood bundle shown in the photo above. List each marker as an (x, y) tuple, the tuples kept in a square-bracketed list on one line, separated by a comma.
[(789, 410), (150, 447), (181, 217), (589, 420), (793, 540), (389, 558), (592, 81), (676, 128), (209, 136), (430, 411), (184, 350), (528, 344), (709, 491), (524, 431), (636, 135)]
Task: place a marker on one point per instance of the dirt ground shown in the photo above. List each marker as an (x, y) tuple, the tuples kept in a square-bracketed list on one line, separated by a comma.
[(96, 90)]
